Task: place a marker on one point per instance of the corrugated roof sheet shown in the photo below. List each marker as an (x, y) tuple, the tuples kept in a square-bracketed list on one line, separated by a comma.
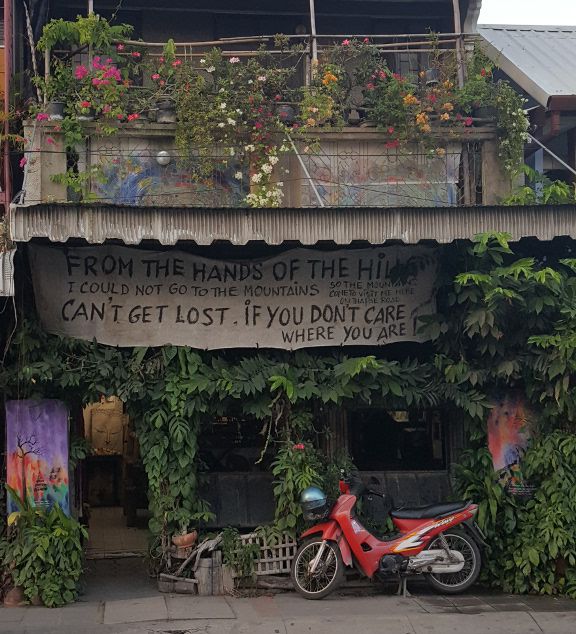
[(97, 223), (540, 59)]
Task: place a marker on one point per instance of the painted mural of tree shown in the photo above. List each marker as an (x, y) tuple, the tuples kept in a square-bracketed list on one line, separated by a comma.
[(25, 447)]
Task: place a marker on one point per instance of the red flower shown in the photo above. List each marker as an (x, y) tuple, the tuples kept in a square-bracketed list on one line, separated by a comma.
[(133, 117), (370, 86), (136, 54), (468, 121), (85, 104), (277, 97), (366, 40), (393, 144), (42, 116), (23, 161), (391, 130), (257, 125), (119, 47), (483, 72), (299, 446), (345, 42), (432, 98), (397, 76), (176, 63)]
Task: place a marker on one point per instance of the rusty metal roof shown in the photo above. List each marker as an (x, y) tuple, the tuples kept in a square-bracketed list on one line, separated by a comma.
[(96, 223), (540, 59)]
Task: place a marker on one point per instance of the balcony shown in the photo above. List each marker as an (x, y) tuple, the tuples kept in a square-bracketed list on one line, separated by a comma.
[(379, 122)]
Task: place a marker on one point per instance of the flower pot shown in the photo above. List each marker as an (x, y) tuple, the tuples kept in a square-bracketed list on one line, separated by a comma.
[(165, 111), (185, 541), (488, 113), (432, 77), (15, 597), (90, 115), (55, 110), (286, 114)]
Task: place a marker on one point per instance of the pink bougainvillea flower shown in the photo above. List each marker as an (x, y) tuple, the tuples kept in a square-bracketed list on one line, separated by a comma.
[(50, 140), (136, 54), (162, 82), (391, 129), (96, 81), (106, 109), (161, 60), (85, 104), (345, 42), (120, 47), (80, 72), (299, 446), (119, 117), (176, 63), (397, 76), (156, 76), (23, 161), (258, 125), (393, 144), (366, 40), (234, 60), (468, 121), (277, 97), (42, 116), (370, 86), (133, 117)]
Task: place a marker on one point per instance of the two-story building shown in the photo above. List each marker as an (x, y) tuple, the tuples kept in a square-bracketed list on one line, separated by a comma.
[(129, 242)]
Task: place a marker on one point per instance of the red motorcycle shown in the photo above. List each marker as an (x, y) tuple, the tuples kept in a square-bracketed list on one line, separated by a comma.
[(427, 543)]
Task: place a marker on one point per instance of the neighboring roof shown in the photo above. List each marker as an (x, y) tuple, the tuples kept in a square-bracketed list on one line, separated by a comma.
[(98, 223), (540, 59)]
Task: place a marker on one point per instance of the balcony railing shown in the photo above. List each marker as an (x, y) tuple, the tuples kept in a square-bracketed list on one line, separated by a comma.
[(435, 157)]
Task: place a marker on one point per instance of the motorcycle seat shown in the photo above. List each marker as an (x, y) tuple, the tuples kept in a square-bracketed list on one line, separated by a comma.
[(428, 510)]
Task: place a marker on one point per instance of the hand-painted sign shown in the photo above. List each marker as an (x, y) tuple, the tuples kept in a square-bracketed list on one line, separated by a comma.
[(301, 298)]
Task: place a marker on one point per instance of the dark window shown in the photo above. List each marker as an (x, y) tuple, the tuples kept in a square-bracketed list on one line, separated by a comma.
[(383, 440)]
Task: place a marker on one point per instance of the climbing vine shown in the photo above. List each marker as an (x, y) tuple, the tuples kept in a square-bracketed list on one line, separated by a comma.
[(504, 322)]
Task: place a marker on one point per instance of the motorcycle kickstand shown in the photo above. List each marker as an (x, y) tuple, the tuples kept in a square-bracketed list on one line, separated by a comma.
[(402, 588)]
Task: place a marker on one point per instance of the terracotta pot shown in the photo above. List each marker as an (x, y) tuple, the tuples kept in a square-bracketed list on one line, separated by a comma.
[(15, 597), (185, 541)]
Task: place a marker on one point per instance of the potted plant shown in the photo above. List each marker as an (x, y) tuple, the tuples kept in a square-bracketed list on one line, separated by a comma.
[(164, 77), (56, 90), (43, 553), (477, 96)]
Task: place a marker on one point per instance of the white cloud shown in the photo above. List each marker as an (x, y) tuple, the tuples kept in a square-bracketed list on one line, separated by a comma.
[(551, 12)]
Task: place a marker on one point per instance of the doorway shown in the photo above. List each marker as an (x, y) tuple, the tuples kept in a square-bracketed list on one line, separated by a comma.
[(114, 484)]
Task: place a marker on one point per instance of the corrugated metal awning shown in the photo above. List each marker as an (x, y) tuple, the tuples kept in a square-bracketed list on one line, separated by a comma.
[(97, 223), (538, 58)]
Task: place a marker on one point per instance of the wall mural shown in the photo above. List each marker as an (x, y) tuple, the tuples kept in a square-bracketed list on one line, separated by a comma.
[(37, 453), (509, 432)]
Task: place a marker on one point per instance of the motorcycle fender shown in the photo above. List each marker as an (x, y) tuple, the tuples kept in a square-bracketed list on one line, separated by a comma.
[(332, 532)]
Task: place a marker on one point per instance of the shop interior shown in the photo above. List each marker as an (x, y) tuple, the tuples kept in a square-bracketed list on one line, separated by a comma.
[(113, 487)]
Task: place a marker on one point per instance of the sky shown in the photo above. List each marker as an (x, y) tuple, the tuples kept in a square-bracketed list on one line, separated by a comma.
[(554, 12)]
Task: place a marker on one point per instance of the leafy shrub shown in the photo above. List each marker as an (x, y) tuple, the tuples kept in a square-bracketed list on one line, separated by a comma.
[(43, 553)]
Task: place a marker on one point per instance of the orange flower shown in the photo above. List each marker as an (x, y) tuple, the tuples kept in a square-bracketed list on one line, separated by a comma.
[(440, 151), (448, 84), (421, 118), (310, 121), (448, 106), (410, 100), (444, 116), (329, 78), (426, 128)]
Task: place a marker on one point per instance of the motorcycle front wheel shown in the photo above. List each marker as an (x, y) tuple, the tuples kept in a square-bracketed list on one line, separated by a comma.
[(328, 574), (456, 582)]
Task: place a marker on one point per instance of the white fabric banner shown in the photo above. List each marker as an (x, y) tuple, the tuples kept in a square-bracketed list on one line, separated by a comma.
[(132, 297)]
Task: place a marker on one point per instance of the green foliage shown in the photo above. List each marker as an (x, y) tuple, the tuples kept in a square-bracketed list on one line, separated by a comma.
[(43, 553), (239, 556), (296, 467), (540, 190), (532, 544), (80, 448), (92, 30)]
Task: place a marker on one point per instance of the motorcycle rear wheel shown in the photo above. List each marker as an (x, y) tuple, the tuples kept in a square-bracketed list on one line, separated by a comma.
[(328, 575), (456, 582)]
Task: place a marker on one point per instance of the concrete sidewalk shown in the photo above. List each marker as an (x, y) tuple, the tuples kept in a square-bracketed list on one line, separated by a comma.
[(290, 614), (121, 599)]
